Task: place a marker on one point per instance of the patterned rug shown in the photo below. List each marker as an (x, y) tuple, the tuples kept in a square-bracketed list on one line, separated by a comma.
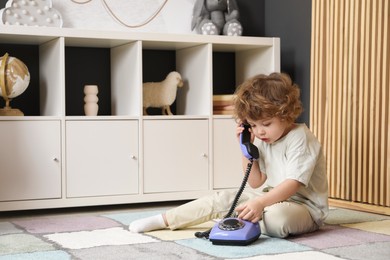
[(104, 235)]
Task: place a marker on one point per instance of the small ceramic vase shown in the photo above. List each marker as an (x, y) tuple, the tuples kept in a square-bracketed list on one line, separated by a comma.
[(91, 107)]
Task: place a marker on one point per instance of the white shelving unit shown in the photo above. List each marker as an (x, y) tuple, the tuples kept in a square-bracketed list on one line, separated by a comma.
[(56, 159)]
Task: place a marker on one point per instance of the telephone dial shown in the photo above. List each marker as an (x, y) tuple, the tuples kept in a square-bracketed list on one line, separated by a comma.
[(234, 231)]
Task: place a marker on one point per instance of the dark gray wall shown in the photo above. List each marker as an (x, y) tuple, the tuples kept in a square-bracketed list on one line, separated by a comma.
[(291, 21), (252, 16)]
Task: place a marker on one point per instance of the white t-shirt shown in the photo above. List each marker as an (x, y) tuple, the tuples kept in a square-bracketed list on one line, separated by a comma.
[(298, 156)]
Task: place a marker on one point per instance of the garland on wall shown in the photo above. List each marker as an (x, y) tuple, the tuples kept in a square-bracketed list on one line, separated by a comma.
[(173, 16), (118, 19)]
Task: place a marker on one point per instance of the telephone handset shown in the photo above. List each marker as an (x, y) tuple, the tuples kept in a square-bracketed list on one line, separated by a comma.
[(249, 150)]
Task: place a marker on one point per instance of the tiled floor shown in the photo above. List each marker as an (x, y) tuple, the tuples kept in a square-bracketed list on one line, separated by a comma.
[(102, 233)]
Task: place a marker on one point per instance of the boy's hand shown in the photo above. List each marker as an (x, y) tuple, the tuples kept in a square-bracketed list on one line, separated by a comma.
[(241, 128), (251, 211)]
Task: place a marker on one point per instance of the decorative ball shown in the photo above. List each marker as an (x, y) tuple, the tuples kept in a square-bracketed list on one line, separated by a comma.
[(16, 77)]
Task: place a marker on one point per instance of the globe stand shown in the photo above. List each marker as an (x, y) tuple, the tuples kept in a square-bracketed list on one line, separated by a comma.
[(9, 111)]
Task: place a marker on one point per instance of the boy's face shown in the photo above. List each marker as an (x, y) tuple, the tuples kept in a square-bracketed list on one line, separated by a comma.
[(271, 129)]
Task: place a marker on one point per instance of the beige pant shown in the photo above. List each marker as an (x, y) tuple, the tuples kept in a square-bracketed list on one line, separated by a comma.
[(279, 220)]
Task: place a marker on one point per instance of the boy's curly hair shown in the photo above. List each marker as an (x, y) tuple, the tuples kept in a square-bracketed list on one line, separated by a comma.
[(267, 96)]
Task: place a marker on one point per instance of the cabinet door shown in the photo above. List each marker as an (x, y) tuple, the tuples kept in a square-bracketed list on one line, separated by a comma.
[(228, 172), (101, 158), (175, 155), (30, 160)]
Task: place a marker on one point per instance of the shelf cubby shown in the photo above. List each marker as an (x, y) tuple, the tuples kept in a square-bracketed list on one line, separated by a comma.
[(224, 73), (194, 64), (126, 79), (87, 66), (28, 101), (43, 95)]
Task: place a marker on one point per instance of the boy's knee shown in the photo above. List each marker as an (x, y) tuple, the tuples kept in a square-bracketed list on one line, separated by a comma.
[(285, 218), (274, 224)]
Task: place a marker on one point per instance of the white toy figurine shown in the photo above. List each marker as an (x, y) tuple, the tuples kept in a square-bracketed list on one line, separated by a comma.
[(161, 94)]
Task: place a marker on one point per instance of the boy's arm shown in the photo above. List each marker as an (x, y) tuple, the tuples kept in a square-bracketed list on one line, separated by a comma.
[(256, 177), (253, 209), (280, 193)]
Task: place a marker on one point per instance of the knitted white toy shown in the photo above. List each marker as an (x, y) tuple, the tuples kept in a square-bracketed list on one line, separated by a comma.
[(213, 17), (161, 94)]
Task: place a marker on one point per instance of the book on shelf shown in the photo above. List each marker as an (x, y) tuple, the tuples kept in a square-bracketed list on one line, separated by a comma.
[(223, 104)]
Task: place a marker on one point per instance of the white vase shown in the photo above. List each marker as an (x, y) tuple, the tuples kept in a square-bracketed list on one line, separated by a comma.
[(91, 107)]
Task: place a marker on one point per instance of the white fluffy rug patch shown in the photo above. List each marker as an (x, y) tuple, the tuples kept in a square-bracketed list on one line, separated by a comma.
[(101, 237)]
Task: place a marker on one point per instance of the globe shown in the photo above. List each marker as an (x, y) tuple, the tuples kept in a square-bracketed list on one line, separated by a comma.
[(14, 80)]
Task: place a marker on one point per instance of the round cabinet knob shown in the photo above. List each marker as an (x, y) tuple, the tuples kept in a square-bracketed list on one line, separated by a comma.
[(204, 155), (133, 157), (55, 159)]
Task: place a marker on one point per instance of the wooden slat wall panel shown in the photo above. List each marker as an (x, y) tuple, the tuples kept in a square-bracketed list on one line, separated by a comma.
[(350, 107)]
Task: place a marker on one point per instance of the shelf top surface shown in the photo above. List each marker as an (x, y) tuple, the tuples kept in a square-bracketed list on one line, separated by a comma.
[(96, 38)]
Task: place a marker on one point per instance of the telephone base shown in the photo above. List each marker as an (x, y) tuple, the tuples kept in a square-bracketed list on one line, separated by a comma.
[(234, 232)]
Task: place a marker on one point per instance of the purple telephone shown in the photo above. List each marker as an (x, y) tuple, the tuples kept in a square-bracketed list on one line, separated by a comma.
[(234, 231)]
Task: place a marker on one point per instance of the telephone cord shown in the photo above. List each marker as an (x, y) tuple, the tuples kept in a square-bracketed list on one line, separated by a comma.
[(205, 234)]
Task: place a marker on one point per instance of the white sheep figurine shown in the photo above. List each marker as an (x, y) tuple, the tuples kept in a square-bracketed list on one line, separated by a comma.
[(161, 94)]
